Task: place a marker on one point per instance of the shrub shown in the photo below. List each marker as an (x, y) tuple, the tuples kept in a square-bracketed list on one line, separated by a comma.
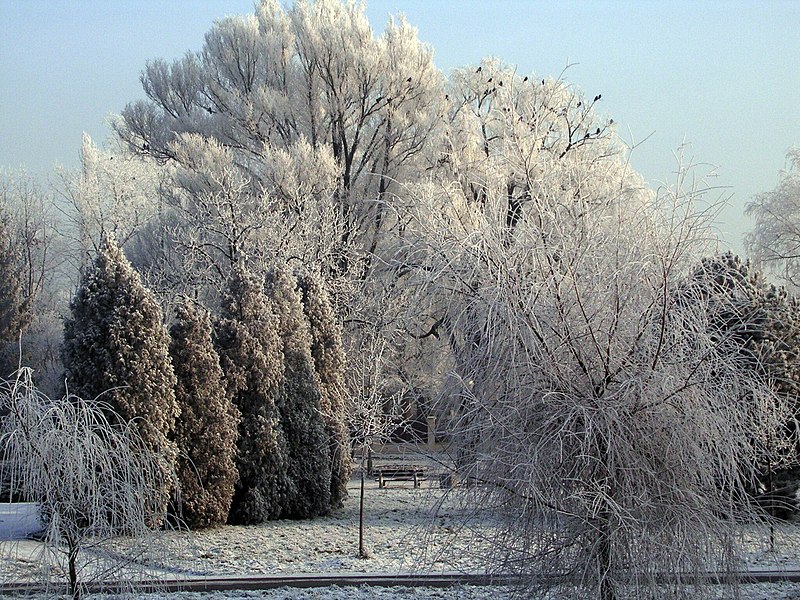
[(309, 454), (327, 352)]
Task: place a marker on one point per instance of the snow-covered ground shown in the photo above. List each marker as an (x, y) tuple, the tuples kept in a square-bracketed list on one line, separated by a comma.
[(18, 520), (402, 536)]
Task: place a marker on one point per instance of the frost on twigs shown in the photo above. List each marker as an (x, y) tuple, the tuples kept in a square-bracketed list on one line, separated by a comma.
[(602, 417), (776, 232), (97, 485)]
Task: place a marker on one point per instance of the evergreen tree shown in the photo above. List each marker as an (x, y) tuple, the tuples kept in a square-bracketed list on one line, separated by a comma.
[(116, 347), (309, 467), (249, 348), (760, 322), (327, 351), (206, 431)]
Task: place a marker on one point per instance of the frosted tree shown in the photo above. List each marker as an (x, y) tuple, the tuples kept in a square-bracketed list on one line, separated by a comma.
[(605, 421), (222, 214), (503, 136), (206, 431), (114, 192), (309, 81), (32, 227), (93, 478), (299, 404), (13, 307), (284, 138), (761, 323), (327, 352), (775, 239), (251, 354), (117, 348)]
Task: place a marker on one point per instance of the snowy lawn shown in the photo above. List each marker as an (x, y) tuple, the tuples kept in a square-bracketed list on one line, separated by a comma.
[(402, 536)]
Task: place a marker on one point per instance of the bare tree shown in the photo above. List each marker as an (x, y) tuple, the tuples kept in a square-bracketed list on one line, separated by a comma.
[(14, 310), (39, 272), (602, 416), (373, 414), (301, 114), (115, 192), (93, 481), (775, 239)]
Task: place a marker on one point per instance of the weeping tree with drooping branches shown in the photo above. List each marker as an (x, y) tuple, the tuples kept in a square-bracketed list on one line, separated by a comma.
[(93, 478), (603, 419)]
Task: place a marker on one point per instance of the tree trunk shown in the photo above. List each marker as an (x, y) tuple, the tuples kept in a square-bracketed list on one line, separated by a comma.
[(362, 551), (606, 587), (72, 561)]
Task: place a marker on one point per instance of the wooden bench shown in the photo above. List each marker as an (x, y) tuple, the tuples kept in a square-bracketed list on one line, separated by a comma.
[(384, 473)]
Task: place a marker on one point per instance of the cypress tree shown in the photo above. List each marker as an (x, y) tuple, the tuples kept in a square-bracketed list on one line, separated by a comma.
[(327, 352), (206, 431), (309, 466), (250, 353), (117, 347)]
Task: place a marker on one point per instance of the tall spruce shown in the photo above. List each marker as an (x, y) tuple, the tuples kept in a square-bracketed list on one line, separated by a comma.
[(206, 431), (327, 352), (309, 467), (116, 347), (250, 351)]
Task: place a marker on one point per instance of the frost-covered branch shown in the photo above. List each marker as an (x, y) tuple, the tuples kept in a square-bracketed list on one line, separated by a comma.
[(92, 481)]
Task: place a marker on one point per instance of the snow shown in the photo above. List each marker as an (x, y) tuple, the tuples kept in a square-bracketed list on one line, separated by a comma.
[(402, 536), (19, 520)]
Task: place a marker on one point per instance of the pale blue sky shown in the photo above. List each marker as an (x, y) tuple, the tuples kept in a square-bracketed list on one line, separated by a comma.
[(721, 75)]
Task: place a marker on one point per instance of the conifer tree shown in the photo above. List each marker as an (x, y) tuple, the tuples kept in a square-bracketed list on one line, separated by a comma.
[(309, 454), (327, 351), (116, 346), (761, 323), (249, 348), (206, 431)]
